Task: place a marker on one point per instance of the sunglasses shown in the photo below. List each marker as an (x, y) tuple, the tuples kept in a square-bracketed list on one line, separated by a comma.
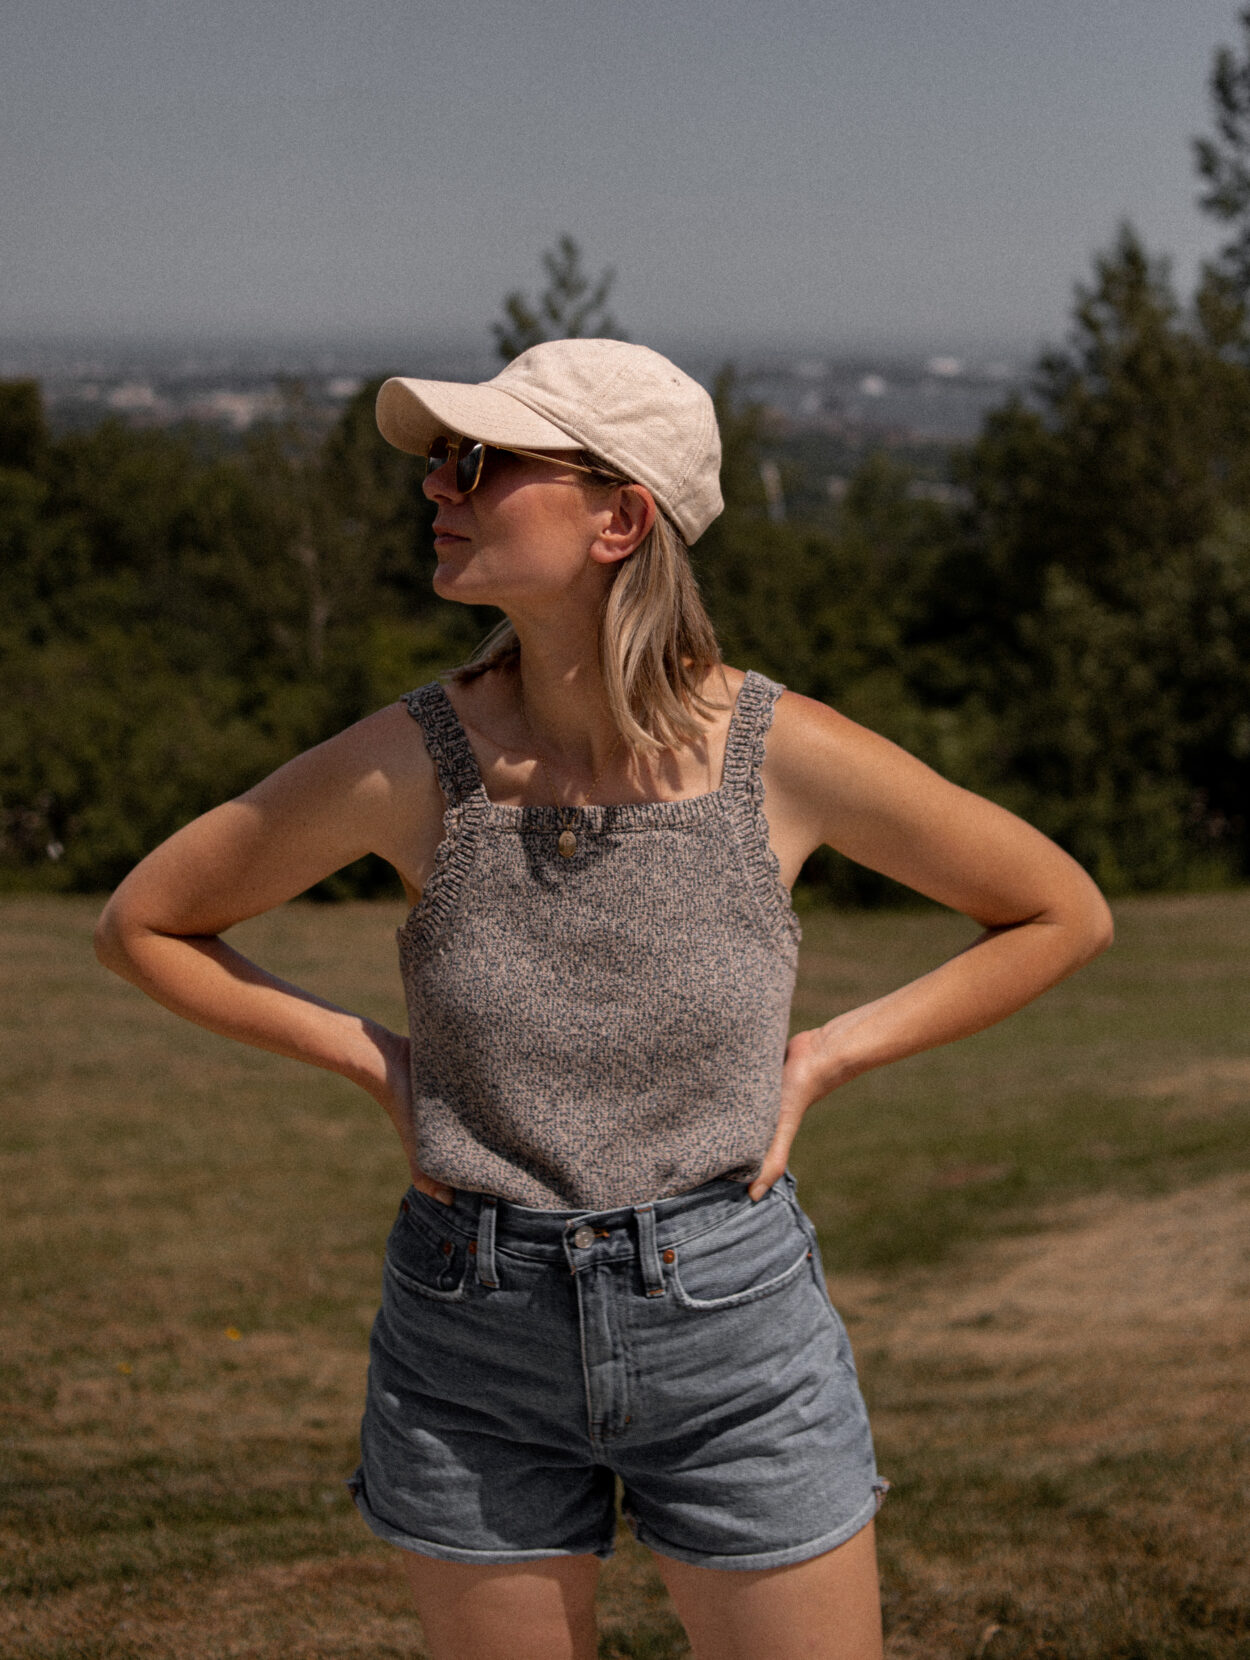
[(469, 455)]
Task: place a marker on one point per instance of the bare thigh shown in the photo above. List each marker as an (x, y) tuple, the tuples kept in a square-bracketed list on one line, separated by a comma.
[(540, 1610), (828, 1608)]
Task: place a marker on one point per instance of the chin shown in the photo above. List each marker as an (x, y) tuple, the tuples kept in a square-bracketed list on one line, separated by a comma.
[(450, 583)]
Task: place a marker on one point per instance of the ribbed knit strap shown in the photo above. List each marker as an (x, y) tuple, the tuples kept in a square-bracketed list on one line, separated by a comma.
[(466, 807), (743, 789), (445, 739), (752, 717)]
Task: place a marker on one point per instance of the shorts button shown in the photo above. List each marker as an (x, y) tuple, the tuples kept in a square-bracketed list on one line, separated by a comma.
[(583, 1237)]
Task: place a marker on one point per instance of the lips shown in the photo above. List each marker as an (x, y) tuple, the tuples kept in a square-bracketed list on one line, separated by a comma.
[(444, 533)]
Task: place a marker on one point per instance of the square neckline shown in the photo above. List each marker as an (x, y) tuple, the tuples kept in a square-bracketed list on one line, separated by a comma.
[(614, 815), (469, 813)]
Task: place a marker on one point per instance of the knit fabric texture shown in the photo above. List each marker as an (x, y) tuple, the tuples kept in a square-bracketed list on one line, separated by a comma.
[(600, 1030)]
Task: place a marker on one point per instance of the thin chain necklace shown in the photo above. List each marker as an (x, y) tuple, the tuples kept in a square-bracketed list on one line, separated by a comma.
[(567, 842)]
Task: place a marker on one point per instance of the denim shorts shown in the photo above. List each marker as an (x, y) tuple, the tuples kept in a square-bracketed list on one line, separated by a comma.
[(524, 1360)]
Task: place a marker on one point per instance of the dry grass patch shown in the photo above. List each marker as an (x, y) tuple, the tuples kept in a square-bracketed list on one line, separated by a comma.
[(356, 1608), (1038, 1238)]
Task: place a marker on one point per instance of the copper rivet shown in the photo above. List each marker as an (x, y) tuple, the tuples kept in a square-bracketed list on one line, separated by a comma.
[(473, 1247), (669, 1256), (447, 1247)]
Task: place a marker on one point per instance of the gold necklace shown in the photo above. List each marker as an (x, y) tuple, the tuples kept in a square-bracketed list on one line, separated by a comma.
[(567, 843)]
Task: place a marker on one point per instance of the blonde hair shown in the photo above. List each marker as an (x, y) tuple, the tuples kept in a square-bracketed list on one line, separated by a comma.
[(657, 645)]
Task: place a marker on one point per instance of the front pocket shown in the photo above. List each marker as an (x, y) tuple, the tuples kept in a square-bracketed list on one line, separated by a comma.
[(433, 1264), (757, 1254)]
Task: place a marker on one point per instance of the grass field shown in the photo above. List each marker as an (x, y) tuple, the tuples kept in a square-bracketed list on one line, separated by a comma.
[(1038, 1238)]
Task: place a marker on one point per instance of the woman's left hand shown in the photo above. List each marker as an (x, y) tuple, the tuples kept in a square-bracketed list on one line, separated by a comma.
[(804, 1080)]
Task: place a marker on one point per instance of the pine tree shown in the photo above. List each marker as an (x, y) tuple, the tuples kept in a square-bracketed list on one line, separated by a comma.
[(1223, 161), (571, 307)]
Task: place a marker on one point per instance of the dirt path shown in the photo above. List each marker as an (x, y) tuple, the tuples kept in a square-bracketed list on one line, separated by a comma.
[(1067, 1412), (1104, 1275)]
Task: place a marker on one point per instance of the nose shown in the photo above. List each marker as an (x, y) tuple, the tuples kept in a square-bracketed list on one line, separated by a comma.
[(440, 485)]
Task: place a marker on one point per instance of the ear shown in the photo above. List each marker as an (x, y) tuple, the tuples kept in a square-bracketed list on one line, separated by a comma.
[(627, 517)]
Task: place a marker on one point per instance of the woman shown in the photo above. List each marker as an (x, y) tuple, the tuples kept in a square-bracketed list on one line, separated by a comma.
[(601, 1269)]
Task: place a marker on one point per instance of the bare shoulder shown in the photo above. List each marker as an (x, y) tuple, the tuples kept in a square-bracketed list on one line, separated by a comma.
[(808, 739), (371, 788), (382, 753), (806, 719), (830, 780), (817, 765), (839, 777)]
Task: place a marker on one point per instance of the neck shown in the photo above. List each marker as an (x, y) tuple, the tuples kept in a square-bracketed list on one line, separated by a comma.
[(562, 699)]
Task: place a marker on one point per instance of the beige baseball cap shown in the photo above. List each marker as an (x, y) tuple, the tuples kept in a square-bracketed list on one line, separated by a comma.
[(625, 404)]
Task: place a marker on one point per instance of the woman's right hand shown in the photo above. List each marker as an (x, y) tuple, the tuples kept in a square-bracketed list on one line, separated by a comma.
[(394, 1095)]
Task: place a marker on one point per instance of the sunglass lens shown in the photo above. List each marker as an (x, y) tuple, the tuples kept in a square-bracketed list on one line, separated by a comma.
[(469, 467), (436, 456)]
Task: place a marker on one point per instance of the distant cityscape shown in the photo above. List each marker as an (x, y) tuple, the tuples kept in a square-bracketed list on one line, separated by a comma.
[(934, 398)]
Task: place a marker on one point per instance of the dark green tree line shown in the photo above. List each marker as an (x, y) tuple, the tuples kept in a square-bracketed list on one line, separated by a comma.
[(176, 619), (1096, 606)]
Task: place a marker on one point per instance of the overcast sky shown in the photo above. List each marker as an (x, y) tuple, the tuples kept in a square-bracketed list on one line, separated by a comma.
[(835, 172)]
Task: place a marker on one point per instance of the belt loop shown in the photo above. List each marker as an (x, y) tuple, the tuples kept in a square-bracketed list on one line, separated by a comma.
[(648, 1255), (486, 1242), (789, 1188)]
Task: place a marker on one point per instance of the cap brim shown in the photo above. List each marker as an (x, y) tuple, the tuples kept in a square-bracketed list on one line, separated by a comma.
[(410, 413)]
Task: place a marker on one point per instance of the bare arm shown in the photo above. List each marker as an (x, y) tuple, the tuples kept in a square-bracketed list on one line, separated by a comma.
[(371, 789), (831, 781)]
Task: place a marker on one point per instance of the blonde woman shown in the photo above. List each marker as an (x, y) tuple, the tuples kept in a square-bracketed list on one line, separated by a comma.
[(601, 1273)]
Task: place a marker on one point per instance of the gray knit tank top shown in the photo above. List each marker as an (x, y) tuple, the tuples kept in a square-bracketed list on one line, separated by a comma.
[(595, 1031)]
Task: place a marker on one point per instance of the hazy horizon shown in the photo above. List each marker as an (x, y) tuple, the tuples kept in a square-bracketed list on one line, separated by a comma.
[(428, 343)]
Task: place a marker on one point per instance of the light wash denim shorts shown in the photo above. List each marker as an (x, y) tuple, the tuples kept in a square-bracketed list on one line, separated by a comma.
[(523, 1360)]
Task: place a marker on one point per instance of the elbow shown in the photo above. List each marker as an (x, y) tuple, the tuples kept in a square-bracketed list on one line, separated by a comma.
[(1107, 935), (109, 941), (1082, 923), (1097, 928)]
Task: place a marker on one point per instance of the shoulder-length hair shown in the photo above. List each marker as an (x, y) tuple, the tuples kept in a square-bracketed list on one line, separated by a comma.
[(657, 645)]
